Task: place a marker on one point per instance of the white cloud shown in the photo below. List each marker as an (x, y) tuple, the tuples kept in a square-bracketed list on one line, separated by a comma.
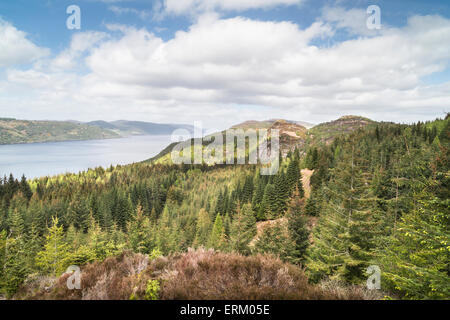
[(142, 14), (81, 42), (226, 70), (198, 6), (353, 20), (15, 48)]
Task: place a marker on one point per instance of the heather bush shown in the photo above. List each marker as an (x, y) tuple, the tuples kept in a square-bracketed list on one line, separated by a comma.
[(194, 275)]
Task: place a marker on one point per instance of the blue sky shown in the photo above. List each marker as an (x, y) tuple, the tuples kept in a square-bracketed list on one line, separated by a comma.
[(162, 60), (44, 20)]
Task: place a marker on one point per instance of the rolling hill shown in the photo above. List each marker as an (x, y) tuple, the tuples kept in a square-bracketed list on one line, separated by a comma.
[(124, 127), (293, 134), (14, 131)]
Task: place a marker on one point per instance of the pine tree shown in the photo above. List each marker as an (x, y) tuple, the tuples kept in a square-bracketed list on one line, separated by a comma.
[(347, 227), (15, 266), (55, 257), (25, 188), (217, 238), (298, 230), (258, 196), (268, 209), (415, 261), (243, 229), (79, 213), (275, 239), (203, 229), (138, 232), (17, 224)]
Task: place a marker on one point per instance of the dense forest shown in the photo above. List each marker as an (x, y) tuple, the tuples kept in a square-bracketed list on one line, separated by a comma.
[(379, 196)]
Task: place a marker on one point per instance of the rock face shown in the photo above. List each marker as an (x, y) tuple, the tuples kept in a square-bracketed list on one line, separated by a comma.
[(292, 135)]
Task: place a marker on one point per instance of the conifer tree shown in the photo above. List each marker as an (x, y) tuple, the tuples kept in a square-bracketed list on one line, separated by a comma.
[(275, 239), (347, 227), (243, 229), (415, 261), (15, 266), (203, 229), (297, 228), (217, 238), (55, 256), (138, 232)]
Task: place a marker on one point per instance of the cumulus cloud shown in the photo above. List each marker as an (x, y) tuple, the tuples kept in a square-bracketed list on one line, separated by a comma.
[(80, 43), (15, 48), (226, 70), (198, 6)]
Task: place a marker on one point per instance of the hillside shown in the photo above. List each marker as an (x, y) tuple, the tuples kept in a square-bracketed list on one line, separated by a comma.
[(22, 131), (376, 196), (124, 127), (293, 134), (328, 131)]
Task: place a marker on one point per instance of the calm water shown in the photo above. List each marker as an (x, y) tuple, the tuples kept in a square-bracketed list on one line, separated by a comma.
[(41, 159)]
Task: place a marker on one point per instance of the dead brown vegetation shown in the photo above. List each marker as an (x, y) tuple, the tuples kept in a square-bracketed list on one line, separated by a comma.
[(195, 275)]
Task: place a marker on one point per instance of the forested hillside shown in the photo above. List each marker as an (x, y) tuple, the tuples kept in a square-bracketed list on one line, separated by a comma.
[(21, 131), (379, 196), (124, 128)]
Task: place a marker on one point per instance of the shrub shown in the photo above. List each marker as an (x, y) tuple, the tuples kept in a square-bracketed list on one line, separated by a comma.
[(152, 291), (195, 275)]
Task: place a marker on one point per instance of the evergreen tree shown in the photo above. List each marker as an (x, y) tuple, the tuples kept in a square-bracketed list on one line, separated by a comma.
[(416, 262), (138, 232), (298, 230), (55, 256), (243, 229), (217, 238), (347, 227), (203, 228), (275, 239)]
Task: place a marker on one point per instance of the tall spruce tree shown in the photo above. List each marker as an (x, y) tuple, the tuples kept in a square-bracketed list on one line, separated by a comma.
[(297, 227), (348, 224), (243, 229)]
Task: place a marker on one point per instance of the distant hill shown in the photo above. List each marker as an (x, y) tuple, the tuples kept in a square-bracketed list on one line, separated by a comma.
[(328, 131), (14, 131), (293, 134), (305, 124), (253, 124), (266, 124), (124, 127)]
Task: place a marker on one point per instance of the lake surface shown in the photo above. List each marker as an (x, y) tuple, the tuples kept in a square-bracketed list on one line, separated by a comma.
[(50, 158)]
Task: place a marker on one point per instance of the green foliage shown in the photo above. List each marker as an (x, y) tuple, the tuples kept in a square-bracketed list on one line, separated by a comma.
[(275, 240), (243, 229), (55, 257), (217, 240), (379, 195), (298, 230), (152, 290)]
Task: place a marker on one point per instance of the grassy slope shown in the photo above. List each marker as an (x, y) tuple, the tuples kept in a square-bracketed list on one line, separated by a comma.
[(21, 131)]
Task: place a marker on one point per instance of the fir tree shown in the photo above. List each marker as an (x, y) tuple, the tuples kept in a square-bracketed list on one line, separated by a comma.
[(298, 230), (217, 238), (243, 229), (55, 256)]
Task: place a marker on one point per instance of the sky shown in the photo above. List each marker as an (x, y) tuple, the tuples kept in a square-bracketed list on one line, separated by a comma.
[(224, 61)]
